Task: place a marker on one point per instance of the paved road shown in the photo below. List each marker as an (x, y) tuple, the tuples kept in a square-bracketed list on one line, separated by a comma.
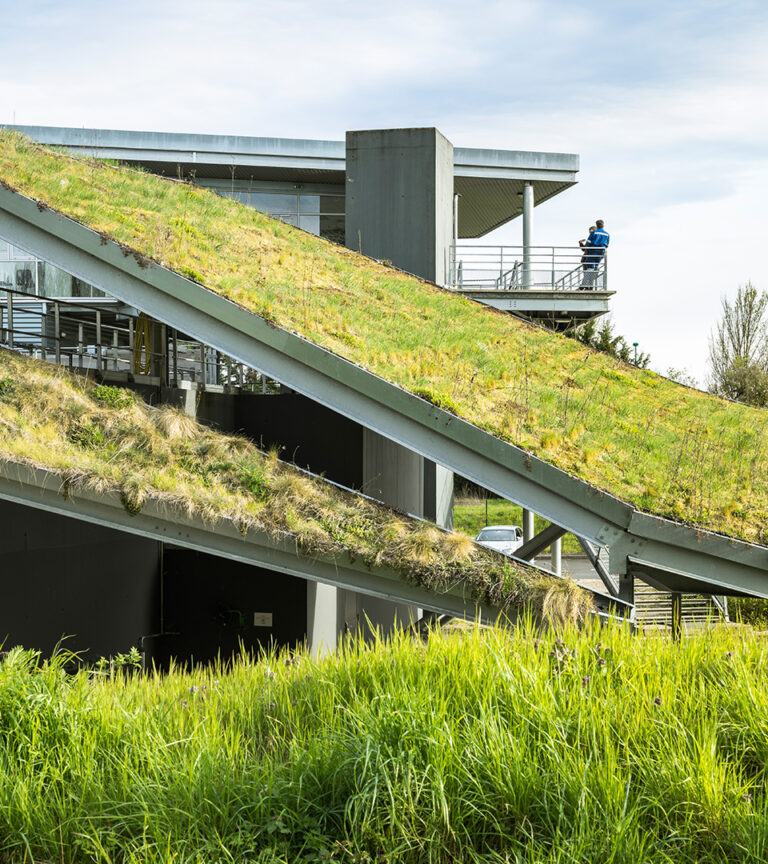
[(578, 568)]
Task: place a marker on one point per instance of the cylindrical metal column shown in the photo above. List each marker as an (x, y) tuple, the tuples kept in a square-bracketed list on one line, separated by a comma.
[(527, 233), (556, 557), (454, 257)]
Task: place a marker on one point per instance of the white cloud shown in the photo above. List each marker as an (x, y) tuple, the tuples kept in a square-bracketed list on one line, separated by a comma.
[(665, 106)]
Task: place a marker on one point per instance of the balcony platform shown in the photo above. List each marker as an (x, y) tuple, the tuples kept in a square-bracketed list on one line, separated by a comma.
[(555, 309)]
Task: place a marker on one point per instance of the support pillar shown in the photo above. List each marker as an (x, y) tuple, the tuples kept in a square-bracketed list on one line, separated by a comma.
[(528, 530), (556, 557), (325, 620), (528, 203), (627, 589), (399, 201), (677, 615)]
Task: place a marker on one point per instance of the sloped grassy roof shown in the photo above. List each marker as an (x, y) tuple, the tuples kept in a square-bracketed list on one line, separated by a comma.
[(107, 439), (665, 448)]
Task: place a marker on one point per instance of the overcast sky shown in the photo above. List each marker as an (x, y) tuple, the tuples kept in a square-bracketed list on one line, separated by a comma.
[(665, 103)]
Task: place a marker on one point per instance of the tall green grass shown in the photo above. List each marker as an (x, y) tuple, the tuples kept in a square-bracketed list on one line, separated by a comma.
[(478, 746)]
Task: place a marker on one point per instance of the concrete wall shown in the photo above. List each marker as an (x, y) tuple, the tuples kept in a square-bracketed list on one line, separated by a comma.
[(400, 198), (215, 607), (64, 577)]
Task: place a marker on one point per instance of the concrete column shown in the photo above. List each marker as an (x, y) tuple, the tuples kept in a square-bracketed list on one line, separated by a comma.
[(403, 479), (556, 557), (527, 233), (325, 618), (527, 525), (438, 494), (399, 200), (528, 529)]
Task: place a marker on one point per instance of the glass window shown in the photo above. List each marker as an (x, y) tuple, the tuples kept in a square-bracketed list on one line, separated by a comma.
[(56, 283), (498, 535), (20, 255), (332, 228), (272, 203), (332, 204), (309, 204), (310, 223), (18, 275)]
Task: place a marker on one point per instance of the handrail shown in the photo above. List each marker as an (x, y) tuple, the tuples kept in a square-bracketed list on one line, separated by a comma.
[(476, 267), (75, 334)]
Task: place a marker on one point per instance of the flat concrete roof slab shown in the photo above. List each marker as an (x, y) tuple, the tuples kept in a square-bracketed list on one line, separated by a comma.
[(490, 182)]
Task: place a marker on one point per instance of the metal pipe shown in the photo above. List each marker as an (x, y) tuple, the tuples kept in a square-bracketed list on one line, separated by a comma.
[(175, 350), (456, 197), (164, 363), (9, 295), (98, 340), (57, 331), (527, 233)]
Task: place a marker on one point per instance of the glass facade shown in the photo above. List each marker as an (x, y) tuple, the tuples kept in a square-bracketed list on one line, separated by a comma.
[(21, 271), (315, 210)]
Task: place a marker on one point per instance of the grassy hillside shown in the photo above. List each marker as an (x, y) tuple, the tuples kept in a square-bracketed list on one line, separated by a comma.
[(667, 449), (103, 438), (479, 747)]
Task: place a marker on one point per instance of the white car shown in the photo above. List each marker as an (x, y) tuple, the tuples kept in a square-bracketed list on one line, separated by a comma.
[(503, 538)]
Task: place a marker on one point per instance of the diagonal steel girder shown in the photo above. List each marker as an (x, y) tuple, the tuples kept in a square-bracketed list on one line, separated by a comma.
[(723, 564), (539, 542)]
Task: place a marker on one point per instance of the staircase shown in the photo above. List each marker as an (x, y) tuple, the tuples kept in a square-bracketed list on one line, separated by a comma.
[(653, 609)]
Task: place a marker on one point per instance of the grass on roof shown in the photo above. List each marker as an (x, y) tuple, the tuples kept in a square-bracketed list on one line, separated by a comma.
[(106, 439), (663, 447)]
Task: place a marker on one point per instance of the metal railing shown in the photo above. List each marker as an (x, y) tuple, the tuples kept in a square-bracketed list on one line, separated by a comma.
[(539, 268), (86, 336)]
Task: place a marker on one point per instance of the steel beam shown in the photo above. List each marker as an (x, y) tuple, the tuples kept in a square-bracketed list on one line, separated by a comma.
[(539, 542), (381, 405), (602, 571)]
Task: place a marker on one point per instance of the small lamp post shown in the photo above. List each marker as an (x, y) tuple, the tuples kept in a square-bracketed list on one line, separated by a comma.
[(634, 345)]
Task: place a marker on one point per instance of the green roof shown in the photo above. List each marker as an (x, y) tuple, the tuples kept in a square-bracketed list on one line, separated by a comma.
[(665, 448), (105, 439)]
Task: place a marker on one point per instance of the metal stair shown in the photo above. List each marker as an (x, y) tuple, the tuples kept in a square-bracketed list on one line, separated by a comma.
[(653, 608)]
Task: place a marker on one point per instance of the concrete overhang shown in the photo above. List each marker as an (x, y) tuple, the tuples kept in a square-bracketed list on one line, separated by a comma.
[(490, 182), (542, 301), (728, 564)]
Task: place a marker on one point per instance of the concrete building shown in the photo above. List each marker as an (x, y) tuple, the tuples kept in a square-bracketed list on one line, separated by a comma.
[(406, 196)]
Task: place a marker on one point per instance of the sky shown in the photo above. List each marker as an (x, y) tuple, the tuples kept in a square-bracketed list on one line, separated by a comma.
[(666, 104)]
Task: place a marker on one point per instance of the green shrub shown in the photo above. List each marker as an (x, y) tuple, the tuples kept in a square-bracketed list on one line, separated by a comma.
[(114, 397)]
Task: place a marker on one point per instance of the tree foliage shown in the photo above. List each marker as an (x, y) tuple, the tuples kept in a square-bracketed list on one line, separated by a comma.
[(603, 338), (738, 348)]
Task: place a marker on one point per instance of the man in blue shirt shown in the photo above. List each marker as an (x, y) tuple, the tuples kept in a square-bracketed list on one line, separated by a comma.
[(595, 247)]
